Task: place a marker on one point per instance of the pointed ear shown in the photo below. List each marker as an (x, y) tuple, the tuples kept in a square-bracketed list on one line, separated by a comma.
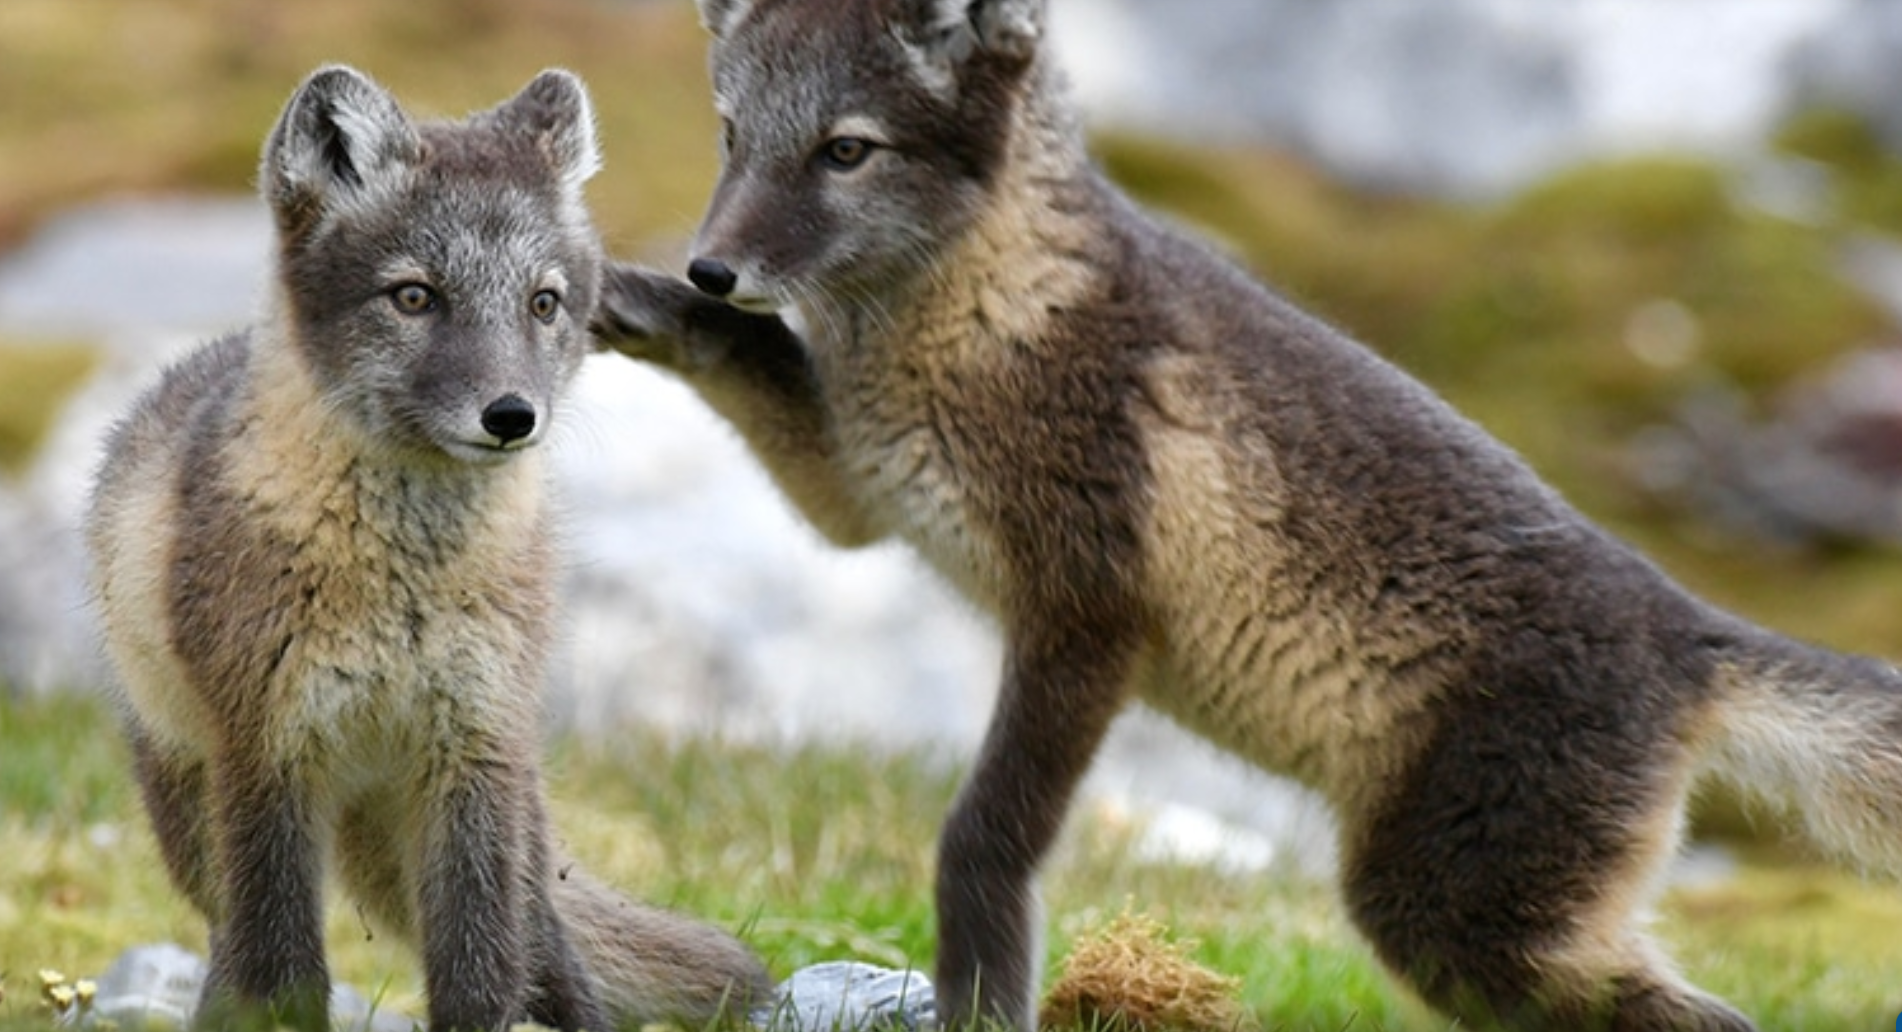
[(340, 134), (719, 16), (948, 31), (1013, 28), (555, 109)]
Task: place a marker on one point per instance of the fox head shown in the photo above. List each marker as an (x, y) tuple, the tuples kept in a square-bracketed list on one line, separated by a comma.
[(436, 278), (858, 137)]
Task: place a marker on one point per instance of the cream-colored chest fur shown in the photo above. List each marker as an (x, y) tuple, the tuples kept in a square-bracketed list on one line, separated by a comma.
[(909, 383), (409, 620)]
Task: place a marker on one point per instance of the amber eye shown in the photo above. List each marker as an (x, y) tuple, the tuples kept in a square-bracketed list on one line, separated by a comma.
[(544, 305), (413, 299), (845, 153)]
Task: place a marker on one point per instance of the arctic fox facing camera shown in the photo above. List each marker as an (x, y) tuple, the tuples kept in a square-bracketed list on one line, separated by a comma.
[(323, 554), (1168, 484)]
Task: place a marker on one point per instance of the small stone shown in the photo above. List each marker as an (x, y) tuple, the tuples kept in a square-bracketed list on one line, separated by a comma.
[(156, 987), (843, 996)]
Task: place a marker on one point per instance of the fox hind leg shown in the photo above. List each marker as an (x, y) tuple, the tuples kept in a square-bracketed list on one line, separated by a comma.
[(1504, 876), (1604, 975)]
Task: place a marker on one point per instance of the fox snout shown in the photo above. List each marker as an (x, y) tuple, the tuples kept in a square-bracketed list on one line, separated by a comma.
[(509, 418), (713, 276), (741, 289)]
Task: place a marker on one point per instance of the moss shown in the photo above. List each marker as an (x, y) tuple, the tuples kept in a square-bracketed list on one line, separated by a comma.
[(134, 96), (1865, 187), (35, 383)]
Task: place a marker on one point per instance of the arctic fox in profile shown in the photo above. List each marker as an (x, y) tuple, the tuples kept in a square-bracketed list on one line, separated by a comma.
[(1169, 484)]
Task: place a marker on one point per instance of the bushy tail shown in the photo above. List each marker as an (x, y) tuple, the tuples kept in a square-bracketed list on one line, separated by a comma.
[(653, 966), (1819, 735)]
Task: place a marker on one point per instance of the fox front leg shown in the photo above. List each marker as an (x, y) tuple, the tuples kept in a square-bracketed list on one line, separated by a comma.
[(267, 947), (752, 370), (657, 318), (475, 962), (1060, 693)]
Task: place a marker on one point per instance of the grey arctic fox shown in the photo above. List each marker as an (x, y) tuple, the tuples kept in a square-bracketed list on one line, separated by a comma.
[(1169, 484), (323, 556)]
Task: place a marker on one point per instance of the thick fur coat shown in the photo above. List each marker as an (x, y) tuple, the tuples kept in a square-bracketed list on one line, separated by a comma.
[(324, 557)]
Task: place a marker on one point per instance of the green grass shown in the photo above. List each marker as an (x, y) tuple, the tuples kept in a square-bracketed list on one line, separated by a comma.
[(824, 853)]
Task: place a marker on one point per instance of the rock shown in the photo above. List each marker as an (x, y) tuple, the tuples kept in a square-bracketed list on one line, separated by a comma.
[(143, 281), (1824, 465), (149, 987), (156, 987), (843, 996), (1457, 97)]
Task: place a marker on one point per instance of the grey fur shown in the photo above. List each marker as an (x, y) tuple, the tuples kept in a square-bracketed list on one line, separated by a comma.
[(1170, 485), (324, 557)]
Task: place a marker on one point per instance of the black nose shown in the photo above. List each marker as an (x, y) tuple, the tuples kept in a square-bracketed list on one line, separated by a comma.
[(712, 276), (509, 417)]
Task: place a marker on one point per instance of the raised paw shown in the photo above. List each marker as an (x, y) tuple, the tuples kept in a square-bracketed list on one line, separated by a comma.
[(654, 317)]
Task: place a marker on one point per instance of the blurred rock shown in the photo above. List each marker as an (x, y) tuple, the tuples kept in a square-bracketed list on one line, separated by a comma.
[(1462, 97), (1824, 465), (1855, 63), (143, 280), (156, 988)]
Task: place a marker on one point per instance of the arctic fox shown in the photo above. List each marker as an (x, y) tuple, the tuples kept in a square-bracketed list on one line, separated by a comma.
[(1169, 484), (323, 555)]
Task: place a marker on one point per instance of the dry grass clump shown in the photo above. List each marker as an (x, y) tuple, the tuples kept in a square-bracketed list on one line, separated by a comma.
[(1128, 976)]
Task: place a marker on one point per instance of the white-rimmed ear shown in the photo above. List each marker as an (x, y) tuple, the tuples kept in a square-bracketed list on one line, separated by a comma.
[(949, 30), (554, 107), (1010, 27), (941, 35), (719, 16), (340, 135)]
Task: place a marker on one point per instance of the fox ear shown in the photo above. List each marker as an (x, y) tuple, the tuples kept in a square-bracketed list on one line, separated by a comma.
[(944, 33), (721, 15), (554, 107), (1013, 28), (340, 134)]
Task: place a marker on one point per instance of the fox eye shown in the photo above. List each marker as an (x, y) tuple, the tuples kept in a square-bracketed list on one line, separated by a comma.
[(544, 305), (726, 136), (413, 299), (845, 153)]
